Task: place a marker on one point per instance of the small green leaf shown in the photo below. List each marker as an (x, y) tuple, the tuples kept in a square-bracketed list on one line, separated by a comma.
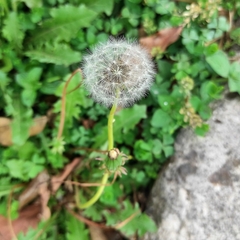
[(168, 139), (168, 151), (234, 77), (12, 30), (195, 102), (210, 90), (157, 147), (75, 229), (160, 119), (30, 79), (4, 80), (219, 63), (143, 150), (93, 213), (21, 123), (28, 97), (235, 35), (201, 131), (23, 170), (111, 194), (205, 111), (129, 117)]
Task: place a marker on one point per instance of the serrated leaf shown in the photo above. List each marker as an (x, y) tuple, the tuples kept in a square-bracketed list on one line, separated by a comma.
[(219, 63), (21, 123), (100, 5), (60, 54), (12, 30), (93, 213), (22, 169), (30, 79), (125, 120), (75, 229), (4, 80), (64, 24), (140, 223)]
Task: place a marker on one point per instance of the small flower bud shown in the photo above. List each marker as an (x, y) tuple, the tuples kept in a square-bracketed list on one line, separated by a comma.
[(113, 153), (118, 72)]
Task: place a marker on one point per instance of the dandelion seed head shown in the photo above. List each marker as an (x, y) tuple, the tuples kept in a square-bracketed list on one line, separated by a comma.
[(118, 71)]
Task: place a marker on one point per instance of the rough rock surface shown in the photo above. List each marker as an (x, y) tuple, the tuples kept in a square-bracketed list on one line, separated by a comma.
[(197, 196)]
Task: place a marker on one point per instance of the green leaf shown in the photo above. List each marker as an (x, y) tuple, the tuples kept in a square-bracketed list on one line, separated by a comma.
[(168, 151), (64, 24), (210, 90), (100, 5), (128, 118), (201, 131), (28, 97), (13, 209), (21, 123), (111, 194), (219, 63), (143, 150), (75, 229), (12, 30), (30, 79), (4, 80), (60, 54), (93, 213), (235, 35), (142, 224), (22, 169), (234, 77), (160, 119)]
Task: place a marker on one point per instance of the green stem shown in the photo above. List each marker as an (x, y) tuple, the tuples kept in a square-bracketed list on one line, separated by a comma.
[(97, 194), (110, 127), (106, 175)]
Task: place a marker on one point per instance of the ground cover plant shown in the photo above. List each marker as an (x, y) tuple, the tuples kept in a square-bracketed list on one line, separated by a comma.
[(51, 169)]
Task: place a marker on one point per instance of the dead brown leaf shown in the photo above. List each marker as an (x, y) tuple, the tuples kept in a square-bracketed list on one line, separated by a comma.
[(57, 180), (32, 191), (44, 193), (162, 39), (88, 123), (38, 125), (6, 132), (96, 233), (28, 217)]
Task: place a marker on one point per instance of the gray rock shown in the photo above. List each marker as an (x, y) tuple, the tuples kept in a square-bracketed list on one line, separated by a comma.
[(197, 196)]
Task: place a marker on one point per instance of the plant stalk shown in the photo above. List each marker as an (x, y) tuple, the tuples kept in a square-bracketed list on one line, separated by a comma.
[(106, 175)]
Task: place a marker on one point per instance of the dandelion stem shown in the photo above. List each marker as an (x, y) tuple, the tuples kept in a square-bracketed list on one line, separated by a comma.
[(97, 194), (106, 175), (110, 127)]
